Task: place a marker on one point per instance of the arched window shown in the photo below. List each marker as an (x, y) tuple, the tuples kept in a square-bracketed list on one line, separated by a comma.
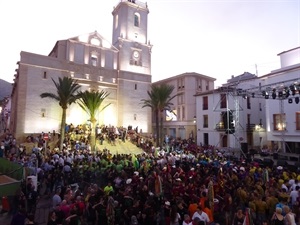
[(136, 19)]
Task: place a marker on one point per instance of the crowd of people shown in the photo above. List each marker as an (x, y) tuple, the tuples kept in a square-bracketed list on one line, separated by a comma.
[(197, 185)]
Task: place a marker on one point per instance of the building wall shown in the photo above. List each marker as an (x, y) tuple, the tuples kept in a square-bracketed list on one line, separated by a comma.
[(248, 113), (186, 86), (95, 65), (263, 131), (277, 138)]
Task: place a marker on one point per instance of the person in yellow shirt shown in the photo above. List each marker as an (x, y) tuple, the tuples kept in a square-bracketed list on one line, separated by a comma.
[(261, 209), (108, 189), (242, 195)]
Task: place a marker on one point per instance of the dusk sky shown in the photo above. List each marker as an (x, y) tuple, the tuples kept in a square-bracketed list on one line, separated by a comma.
[(215, 38)]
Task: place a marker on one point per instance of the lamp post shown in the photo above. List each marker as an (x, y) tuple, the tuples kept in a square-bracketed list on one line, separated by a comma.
[(195, 127)]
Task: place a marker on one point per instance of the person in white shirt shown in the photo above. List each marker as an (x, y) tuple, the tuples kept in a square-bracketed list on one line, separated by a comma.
[(284, 186), (201, 215), (187, 220), (294, 184), (294, 195), (56, 199)]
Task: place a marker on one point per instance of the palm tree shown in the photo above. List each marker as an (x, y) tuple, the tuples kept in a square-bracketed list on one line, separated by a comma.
[(91, 102), (66, 89), (159, 100)]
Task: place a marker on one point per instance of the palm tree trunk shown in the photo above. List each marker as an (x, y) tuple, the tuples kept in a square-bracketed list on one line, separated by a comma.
[(93, 134), (62, 128), (157, 127), (161, 129)]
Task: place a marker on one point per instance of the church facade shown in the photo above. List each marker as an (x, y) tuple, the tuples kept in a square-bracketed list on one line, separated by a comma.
[(122, 68)]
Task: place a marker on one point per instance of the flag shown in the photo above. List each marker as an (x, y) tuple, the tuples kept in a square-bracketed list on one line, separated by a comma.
[(156, 152), (248, 217), (266, 176), (158, 185), (135, 162), (211, 195)]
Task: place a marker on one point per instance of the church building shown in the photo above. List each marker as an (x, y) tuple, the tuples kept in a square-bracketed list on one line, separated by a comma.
[(121, 67)]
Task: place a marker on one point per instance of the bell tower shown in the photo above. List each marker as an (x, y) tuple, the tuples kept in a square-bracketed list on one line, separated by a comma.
[(130, 24)]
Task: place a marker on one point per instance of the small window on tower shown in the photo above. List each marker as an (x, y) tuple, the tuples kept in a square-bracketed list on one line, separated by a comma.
[(43, 112), (45, 75), (136, 19), (135, 86)]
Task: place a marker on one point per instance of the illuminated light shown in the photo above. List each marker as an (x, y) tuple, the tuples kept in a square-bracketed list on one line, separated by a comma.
[(267, 95), (71, 56), (280, 126), (102, 87), (95, 41), (83, 38), (76, 115), (83, 84)]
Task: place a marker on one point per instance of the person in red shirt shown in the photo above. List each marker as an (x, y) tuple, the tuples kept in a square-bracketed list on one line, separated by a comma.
[(203, 198), (80, 204), (208, 211)]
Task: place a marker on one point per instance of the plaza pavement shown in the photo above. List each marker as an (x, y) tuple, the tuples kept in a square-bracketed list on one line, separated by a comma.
[(120, 147)]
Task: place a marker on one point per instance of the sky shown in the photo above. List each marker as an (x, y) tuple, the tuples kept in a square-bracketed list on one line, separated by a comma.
[(216, 38)]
